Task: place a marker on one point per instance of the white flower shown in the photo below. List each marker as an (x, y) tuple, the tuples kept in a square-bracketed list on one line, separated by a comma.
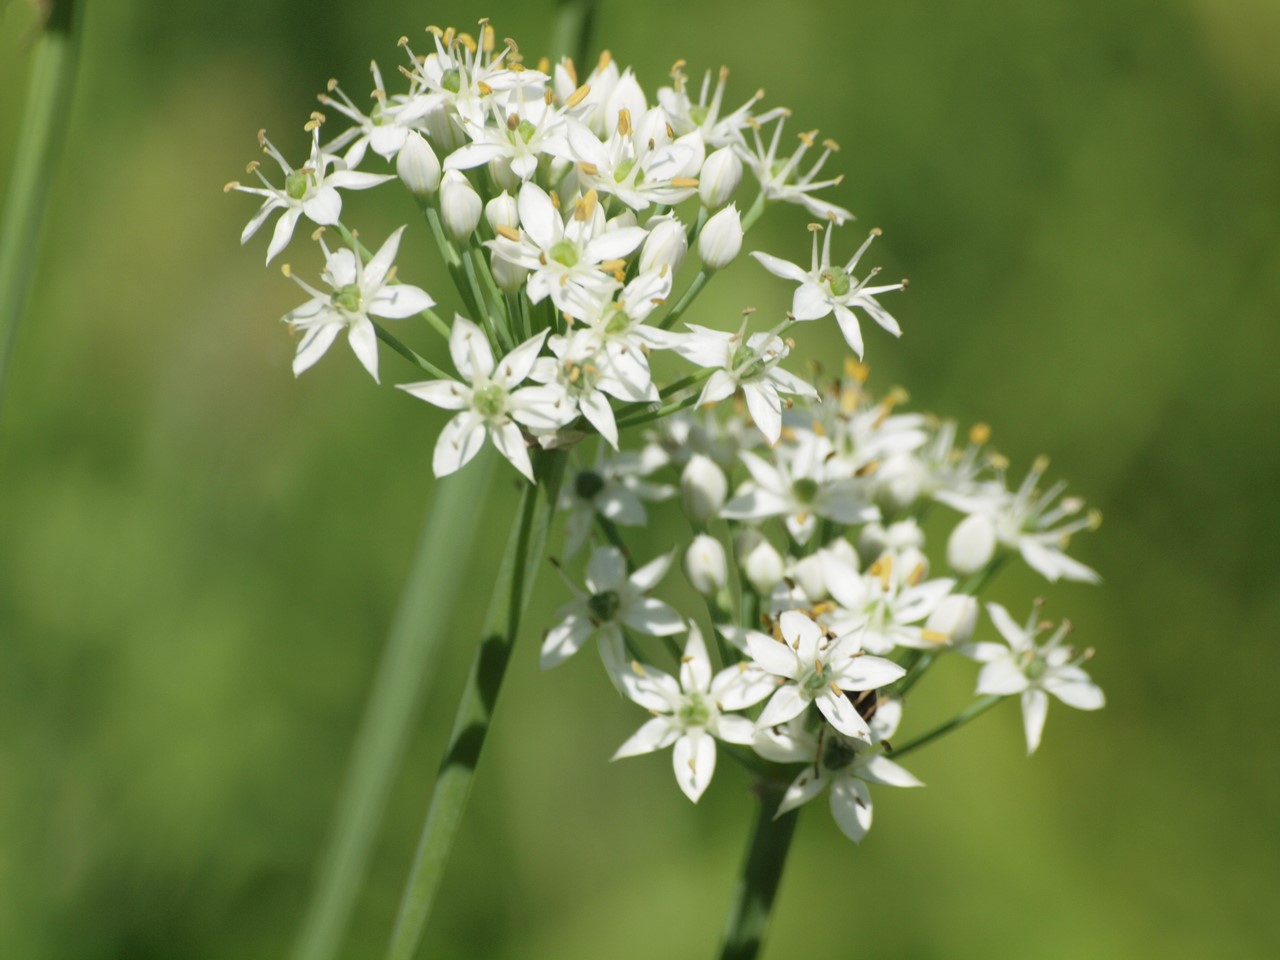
[(417, 166), (704, 116), (720, 177), (1026, 520), (310, 190), (613, 601), (693, 713), (1033, 670), (889, 601), (463, 73), (721, 238), (460, 205), (825, 289), (972, 544), (387, 126), (613, 487), (519, 134), (706, 566), (794, 485), (703, 489), (360, 290), (666, 245), (819, 670), (759, 561), (751, 365), (486, 401), (779, 179), (844, 764)]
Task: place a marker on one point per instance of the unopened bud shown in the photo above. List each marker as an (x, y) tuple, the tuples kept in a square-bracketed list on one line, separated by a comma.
[(955, 618), (666, 246), (705, 565), (703, 489), (721, 238), (972, 544), (508, 276), (460, 205), (502, 211), (809, 574), (417, 165), (721, 174), (502, 174), (760, 563)]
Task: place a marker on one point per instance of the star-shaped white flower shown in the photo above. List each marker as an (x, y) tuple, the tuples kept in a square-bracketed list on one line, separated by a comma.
[(844, 764), (312, 190), (386, 126), (360, 290), (890, 602), (817, 670), (614, 488), (825, 289), (487, 401), (612, 601), (694, 712), (749, 363), (780, 179), (1033, 670)]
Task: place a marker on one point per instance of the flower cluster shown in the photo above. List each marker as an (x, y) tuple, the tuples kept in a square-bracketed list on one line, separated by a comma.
[(579, 217), (565, 206), (825, 604)]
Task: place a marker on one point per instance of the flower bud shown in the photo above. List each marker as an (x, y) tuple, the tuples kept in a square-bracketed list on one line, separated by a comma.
[(509, 277), (955, 617), (703, 489), (760, 563), (460, 205), (502, 211), (705, 565), (666, 246), (875, 539), (418, 166), (809, 574), (972, 544), (721, 174), (444, 131), (721, 238), (502, 174)]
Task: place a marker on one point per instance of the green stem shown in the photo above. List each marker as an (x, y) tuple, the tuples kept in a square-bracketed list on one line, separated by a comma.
[(687, 298), (479, 698), (419, 625), (761, 873), (918, 666), (44, 124), (411, 355), (571, 35), (974, 710)]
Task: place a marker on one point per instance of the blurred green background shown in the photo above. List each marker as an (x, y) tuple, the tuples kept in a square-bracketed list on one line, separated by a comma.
[(200, 556)]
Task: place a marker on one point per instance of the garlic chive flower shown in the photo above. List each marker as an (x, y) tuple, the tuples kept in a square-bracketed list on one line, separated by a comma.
[(612, 602), (613, 487), (780, 179), (311, 190), (825, 289), (360, 290), (819, 670), (691, 714), (1034, 670), (487, 401)]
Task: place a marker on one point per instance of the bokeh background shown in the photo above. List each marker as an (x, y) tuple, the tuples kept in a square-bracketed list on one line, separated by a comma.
[(200, 556)]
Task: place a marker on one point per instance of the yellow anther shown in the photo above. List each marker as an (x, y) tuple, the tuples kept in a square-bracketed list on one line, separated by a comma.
[(638, 669), (251, 166), (468, 41), (605, 59), (998, 460), (818, 428), (678, 66), (544, 66), (585, 208), (332, 85), (402, 42), (578, 95), (724, 73), (1041, 464), (933, 636), (568, 66), (1095, 519), (317, 233), (815, 228), (590, 169), (513, 121), (682, 183), (484, 88), (503, 230), (917, 574), (979, 433), (808, 139), (317, 116), (624, 122), (831, 145), (230, 185), (262, 136), (555, 199), (867, 469), (286, 270), (487, 38)]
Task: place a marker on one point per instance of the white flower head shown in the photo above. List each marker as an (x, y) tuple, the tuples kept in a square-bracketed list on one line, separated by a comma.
[(817, 669), (825, 289), (1034, 670), (691, 713), (890, 601), (312, 189), (612, 602), (360, 290), (487, 400)]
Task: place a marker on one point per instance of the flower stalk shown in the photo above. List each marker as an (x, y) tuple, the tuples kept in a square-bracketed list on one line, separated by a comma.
[(761, 873)]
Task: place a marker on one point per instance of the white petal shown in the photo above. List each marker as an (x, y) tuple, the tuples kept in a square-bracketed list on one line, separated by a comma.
[(654, 735), (596, 408), (868, 673), (283, 232), (565, 639), (695, 665), (1002, 678), (773, 657), (379, 265), (606, 570), (810, 302), (1081, 694), (842, 715), (652, 617), (694, 760), (735, 729), (510, 443), (1053, 564), (324, 206), (613, 245), (448, 394), (516, 365), (364, 342), (742, 686), (1035, 705), (782, 706), (400, 300), (803, 635), (849, 327), (765, 409), (781, 268), (467, 342), (1009, 629), (460, 440), (851, 807), (313, 345), (880, 769), (539, 217), (648, 576), (803, 788)]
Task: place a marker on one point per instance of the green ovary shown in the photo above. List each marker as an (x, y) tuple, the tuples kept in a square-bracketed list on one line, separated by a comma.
[(347, 298)]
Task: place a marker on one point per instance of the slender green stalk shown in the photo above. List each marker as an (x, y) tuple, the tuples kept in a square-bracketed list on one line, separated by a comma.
[(571, 35), (760, 876), (411, 649), (411, 355), (687, 298), (44, 124), (475, 713), (974, 710)]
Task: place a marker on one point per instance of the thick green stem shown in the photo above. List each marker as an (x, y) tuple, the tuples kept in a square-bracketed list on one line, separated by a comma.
[(479, 698), (571, 35), (44, 124), (761, 873), (976, 709), (411, 648)]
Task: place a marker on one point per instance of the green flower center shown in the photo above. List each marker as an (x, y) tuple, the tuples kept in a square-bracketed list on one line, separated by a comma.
[(490, 401), (747, 363), (618, 323), (347, 298), (837, 753), (565, 253), (588, 484), (815, 681), (695, 713), (624, 169), (698, 114), (804, 490), (526, 130), (604, 606), (452, 80), (838, 281), (295, 185), (1036, 667)]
